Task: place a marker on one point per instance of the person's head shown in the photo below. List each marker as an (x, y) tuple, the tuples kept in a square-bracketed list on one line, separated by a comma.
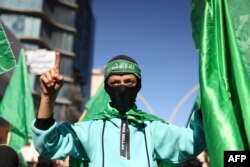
[(122, 82), (8, 157)]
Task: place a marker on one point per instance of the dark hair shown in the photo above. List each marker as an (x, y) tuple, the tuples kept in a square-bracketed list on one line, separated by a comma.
[(42, 162), (8, 156), (193, 162)]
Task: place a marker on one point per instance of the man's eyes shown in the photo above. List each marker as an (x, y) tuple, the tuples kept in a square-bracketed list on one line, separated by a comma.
[(128, 83), (114, 83)]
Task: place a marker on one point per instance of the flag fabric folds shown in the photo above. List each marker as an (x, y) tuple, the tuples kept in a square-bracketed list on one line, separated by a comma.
[(97, 103), (17, 106), (221, 32), (7, 58)]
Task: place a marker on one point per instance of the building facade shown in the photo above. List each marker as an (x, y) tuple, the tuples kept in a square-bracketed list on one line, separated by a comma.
[(66, 26)]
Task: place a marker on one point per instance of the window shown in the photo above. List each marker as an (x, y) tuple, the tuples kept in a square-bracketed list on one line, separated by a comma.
[(61, 14), (22, 4), (57, 38), (22, 25), (66, 63)]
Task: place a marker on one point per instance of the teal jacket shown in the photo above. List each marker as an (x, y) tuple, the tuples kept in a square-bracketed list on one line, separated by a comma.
[(93, 142)]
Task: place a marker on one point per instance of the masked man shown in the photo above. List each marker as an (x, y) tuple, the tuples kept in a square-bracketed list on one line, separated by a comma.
[(119, 135)]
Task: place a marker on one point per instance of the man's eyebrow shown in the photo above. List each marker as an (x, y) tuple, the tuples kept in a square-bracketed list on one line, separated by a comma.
[(129, 79), (114, 80)]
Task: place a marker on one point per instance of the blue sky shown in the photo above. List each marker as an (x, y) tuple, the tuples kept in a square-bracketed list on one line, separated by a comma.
[(158, 35)]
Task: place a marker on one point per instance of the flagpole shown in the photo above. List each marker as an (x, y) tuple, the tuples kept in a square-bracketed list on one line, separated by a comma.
[(82, 115), (8, 136)]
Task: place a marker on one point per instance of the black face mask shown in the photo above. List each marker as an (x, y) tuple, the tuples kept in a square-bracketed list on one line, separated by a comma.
[(122, 97)]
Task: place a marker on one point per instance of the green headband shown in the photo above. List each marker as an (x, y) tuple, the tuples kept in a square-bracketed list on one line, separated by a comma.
[(122, 66)]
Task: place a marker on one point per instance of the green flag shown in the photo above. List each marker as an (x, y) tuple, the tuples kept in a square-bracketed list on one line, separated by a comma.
[(221, 32), (7, 58), (17, 106), (97, 103)]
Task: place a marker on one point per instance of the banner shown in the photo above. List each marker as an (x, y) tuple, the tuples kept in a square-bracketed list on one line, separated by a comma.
[(221, 32)]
